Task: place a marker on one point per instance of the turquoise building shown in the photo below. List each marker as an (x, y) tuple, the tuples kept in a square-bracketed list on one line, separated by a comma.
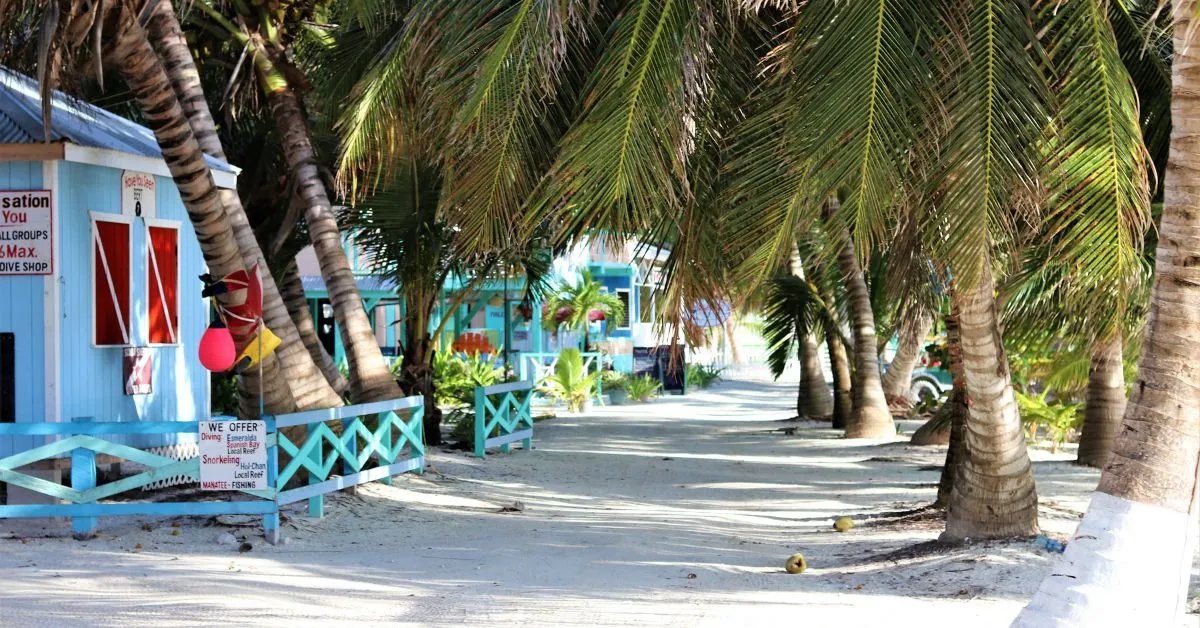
[(492, 310), (100, 307)]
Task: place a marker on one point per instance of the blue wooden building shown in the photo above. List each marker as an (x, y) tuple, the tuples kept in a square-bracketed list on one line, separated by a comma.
[(100, 307)]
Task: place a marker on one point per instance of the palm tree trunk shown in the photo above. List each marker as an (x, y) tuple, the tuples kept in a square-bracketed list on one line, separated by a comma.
[(1130, 559), (815, 402), (953, 409), (735, 352), (898, 379), (294, 298), (843, 386), (993, 494), (417, 375), (300, 375), (870, 417), (147, 79), (1105, 403), (370, 378)]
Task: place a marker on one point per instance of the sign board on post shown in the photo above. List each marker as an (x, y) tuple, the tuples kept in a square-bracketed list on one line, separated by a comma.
[(26, 230), (645, 362), (137, 194), (233, 456), (673, 365)]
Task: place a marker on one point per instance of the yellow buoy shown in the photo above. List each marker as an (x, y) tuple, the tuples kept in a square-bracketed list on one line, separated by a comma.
[(795, 564), (843, 524)]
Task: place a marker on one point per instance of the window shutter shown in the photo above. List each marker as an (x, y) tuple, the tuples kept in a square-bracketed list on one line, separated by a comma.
[(163, 283), (110, 282)]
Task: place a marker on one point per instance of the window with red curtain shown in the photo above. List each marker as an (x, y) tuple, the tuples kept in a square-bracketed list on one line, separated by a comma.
[(162, 278), (111, 241)]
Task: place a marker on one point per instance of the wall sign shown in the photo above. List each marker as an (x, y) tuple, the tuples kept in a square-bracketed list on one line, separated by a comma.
[(233, 456), (26, 230), (137, 194), (136, 367)]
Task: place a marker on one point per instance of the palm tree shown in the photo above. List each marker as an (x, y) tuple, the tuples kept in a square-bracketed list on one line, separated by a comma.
[(1130, 558), (576, 305), (909, 112), (300, 373), (267, 41), (897, 380)]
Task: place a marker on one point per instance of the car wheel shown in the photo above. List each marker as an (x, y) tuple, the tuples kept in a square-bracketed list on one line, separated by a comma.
[(923, 390)]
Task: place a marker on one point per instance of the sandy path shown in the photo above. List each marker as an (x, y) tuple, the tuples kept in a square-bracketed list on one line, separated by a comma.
[(622, 507)]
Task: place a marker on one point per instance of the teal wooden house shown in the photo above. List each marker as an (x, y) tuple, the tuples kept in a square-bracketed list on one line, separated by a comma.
[(493, 310), (100, 307)]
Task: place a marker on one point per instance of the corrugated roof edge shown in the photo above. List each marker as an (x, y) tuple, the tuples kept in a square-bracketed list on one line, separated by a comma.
[(74, 121)]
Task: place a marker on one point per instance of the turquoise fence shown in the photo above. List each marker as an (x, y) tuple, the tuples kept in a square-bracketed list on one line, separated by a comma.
[(381, 455), (503, 408)]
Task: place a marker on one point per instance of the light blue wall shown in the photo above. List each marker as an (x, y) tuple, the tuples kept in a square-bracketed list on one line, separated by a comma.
[(91, 377), (21, 313)]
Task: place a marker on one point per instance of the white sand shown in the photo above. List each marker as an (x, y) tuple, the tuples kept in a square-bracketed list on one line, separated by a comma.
[(622, 507)]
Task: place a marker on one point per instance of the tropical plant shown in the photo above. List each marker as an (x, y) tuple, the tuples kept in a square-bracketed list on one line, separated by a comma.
[(1058, 418), (643, 387), (575, 305), (570, 383), (613, 380), (703, 375)]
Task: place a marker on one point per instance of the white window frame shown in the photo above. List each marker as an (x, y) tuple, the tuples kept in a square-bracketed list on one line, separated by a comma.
[(127, 326), (162, 223), (628, 315)]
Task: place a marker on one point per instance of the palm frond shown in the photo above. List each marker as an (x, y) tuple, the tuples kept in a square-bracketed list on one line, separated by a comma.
[(622, 162), (1098, 171), (519, 105), (860, 69), (997, 103)]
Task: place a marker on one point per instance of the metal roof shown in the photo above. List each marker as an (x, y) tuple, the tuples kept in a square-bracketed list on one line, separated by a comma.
[(72, 120), (366, 283)]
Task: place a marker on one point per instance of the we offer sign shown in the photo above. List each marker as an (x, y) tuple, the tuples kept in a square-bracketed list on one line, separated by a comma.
[(233, 456)]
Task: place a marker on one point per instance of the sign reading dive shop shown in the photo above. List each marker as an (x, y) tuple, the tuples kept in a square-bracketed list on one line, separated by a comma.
[(137, 194), (25, 231), (233, 456)]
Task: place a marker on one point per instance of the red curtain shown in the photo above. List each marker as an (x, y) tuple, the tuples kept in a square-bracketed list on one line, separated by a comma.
[(110, 283), (163, 276)]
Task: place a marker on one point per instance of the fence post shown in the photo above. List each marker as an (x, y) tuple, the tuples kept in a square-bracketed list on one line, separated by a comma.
[(419, 415), (352, 447), (83, 477), (506, 420), (271, 520), (527, 413), (481, 419), (316, 504), (387, 455)]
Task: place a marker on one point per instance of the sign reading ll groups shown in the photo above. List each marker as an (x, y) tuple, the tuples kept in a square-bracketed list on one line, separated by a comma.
[(26, 229)]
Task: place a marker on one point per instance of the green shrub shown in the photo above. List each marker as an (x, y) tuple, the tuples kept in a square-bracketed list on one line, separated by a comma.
[(643, 388), (1058, 418), (455, 377), (703, 375), (614, 380)]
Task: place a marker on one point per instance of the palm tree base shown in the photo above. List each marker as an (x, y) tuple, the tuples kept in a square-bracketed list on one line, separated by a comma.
[(1127, 564)]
